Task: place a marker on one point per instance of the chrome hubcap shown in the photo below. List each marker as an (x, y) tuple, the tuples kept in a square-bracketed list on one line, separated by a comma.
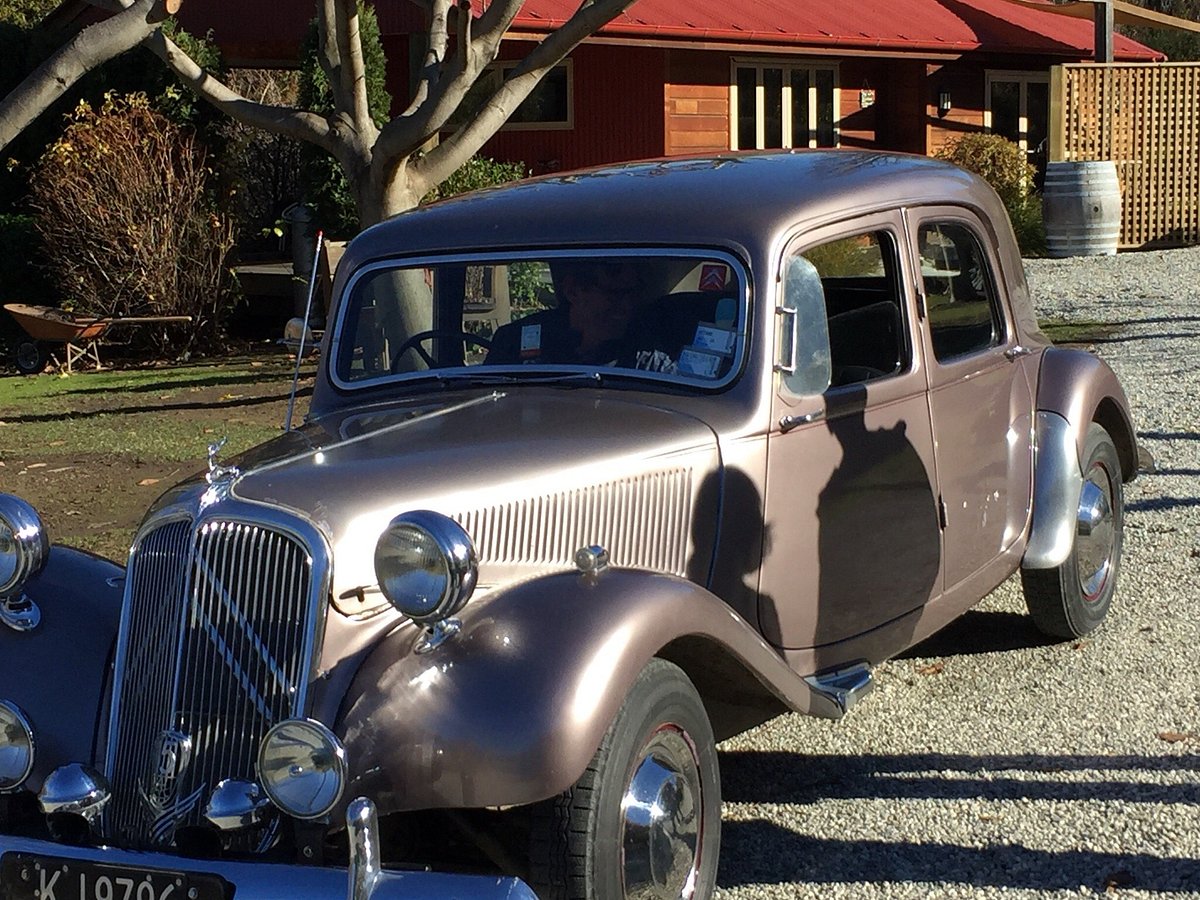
[(1096, 532), (661, 827)]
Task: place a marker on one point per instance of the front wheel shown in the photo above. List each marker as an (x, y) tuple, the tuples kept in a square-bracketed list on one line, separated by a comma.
[(644, 820), (1072, 599)]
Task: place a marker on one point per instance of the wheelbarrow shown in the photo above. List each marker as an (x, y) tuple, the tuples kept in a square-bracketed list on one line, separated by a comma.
[(80, 335)]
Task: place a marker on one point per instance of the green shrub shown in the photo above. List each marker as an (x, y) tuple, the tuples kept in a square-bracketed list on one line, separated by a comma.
[(477, 172), (129, 224), (1003, 165)]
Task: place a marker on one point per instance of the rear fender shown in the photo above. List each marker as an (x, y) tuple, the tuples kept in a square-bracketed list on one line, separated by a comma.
[(58, 673), (1082, 389), (1075, 389), (511, 710)]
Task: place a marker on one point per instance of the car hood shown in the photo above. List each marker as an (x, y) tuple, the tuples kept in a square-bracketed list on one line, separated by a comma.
[(532, 475)]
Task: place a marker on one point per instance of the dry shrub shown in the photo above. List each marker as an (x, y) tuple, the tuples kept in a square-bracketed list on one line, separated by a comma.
[(129, 224)]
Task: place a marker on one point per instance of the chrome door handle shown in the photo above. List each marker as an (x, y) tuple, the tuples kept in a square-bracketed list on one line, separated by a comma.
[(787, 423), (1014, 353)]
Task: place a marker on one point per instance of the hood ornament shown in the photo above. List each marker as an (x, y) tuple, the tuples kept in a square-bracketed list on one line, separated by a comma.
[(220, 478)]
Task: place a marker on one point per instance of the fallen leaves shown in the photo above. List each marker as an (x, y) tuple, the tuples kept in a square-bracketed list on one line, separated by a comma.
[(146, 482), (936, 668), (1175, 737), (1119, 879)]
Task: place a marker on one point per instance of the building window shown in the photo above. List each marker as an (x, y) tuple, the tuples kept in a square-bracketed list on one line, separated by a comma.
[(1018, 107), (551, 105), (783, 104)]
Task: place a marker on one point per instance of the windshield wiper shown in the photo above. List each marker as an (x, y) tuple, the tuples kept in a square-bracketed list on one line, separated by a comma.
[(573, 379)]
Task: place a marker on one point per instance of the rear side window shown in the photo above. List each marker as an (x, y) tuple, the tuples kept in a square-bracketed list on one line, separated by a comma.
[(859, 280), (963, 309)]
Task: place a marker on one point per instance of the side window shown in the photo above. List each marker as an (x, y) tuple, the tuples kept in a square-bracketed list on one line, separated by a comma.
[(861, 291), (963, 310)]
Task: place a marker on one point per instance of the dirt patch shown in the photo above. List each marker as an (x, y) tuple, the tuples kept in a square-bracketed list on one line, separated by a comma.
[(94, 458)]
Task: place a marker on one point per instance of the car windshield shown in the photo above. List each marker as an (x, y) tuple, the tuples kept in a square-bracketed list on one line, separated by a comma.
[(678, 317)]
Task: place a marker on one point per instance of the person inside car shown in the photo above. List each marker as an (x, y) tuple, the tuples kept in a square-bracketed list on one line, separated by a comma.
[(598, 301)]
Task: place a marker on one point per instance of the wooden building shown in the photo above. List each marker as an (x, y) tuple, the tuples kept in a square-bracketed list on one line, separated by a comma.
[(686, 76)]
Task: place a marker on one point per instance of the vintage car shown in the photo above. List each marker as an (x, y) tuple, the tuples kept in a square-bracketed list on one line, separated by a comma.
[(600, 469)]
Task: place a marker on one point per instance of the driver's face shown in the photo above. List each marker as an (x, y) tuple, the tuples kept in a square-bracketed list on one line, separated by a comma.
[(602, 306)]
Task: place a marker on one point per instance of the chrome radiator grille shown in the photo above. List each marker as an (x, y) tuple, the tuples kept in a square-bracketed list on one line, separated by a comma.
[(217, 641)]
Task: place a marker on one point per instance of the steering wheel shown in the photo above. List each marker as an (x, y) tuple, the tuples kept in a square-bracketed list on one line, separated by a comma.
[(414, 343)]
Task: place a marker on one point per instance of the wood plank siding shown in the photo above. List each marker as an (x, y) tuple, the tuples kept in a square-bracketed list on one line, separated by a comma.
[(696, 103)]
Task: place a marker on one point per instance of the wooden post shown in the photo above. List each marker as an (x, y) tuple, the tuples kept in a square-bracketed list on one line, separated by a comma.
[(1102, 12)]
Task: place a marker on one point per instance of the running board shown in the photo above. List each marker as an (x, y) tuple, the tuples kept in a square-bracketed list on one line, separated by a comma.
[(843, 687)]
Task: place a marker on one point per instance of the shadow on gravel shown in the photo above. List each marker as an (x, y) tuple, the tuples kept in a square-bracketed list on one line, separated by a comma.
[(1156, 336), (979, 631), (761, 852), (777, 777), (764, 852), (1170, 435), (1157, 504)]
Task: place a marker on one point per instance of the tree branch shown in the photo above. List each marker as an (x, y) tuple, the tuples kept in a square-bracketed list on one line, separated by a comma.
[(296, 123), (441, 161), (353, 70), (329, 53), (93, 45), (437, 39)]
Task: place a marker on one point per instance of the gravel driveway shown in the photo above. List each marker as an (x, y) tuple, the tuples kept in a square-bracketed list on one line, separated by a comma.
[(989, 763)]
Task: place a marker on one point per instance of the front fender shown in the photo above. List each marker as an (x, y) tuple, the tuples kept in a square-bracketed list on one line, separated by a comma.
[(58, 673), (512, 709)]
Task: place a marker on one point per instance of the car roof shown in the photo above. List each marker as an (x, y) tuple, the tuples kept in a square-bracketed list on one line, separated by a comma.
[(738, 200)]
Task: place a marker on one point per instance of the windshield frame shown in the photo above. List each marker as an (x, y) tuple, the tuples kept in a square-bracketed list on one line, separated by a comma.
[(543, 373)]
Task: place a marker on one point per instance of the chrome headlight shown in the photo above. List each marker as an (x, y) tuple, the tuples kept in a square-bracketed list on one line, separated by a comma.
[(16, 746), (302, 767), (426, 565), (23, 544)]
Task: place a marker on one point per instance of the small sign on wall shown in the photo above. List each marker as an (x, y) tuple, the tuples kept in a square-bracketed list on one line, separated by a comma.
[(866, 97)]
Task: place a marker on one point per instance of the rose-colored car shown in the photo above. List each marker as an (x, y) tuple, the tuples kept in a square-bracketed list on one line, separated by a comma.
[(600, 469)]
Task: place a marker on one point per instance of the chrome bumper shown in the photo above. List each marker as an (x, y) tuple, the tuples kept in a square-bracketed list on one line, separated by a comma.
[(268, 881)]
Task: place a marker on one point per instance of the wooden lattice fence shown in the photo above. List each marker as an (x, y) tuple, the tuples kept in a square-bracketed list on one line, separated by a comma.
[(1146, 118)]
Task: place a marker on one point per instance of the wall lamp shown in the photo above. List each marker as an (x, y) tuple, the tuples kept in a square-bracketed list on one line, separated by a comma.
[(943, 106)]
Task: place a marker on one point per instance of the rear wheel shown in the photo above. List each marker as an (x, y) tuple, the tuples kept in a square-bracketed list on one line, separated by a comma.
[(1072, 599), (644, 820), (31, 357)]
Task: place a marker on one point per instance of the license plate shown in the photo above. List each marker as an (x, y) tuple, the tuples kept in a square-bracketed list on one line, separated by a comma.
[(27, 877)]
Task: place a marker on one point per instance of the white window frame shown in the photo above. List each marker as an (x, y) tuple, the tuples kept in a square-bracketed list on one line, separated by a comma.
[(1023, 79), (788, 66)]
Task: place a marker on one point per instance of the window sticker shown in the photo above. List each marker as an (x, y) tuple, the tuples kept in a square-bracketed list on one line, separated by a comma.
[(701, 363), (718, 340), (713, 277), (531, 341)]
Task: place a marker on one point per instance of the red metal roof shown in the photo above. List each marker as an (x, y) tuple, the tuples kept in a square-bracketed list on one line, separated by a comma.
[(939, 26), (258, 29)]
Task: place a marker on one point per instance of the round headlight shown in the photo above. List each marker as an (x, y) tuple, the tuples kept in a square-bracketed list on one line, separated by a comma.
[(302, 766), (16, 746), (426, 565), (23, 544)]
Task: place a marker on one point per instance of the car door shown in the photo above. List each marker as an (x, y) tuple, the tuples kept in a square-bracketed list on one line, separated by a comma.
[(981, 395), (852, 529)]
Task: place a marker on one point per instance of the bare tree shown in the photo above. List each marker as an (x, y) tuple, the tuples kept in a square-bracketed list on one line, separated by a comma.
[(383, 167), (385, 171), (94, 45)]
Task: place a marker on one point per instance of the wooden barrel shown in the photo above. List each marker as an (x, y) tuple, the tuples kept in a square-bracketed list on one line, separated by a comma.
[(1081, 204)]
